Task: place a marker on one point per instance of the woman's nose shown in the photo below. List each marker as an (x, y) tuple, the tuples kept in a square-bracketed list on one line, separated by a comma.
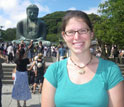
[(77, 35)]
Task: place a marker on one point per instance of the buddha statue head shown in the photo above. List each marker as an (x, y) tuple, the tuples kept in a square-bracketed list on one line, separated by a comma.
[(32, 12)]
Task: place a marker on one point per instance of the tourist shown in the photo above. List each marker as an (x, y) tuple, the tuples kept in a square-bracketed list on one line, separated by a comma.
[(39, 65), (21, 89), (40, 47), (61, 54), (31, 51), (116, 54), (82, 80), (10, 53), (45, 51)]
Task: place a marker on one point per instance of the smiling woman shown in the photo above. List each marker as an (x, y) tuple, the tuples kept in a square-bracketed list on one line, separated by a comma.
[(82, 80)]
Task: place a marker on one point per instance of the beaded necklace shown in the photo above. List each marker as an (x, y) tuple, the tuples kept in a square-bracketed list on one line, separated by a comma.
[(81, 71)]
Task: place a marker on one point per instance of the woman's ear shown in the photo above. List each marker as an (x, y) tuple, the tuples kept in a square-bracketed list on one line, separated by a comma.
[(92, 35), (63, 34)]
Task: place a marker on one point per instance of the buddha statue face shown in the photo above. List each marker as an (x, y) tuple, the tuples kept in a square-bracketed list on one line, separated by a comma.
[(32, 12)]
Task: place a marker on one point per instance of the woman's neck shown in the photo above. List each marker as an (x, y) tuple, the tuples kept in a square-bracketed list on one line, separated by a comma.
[(81, 59)]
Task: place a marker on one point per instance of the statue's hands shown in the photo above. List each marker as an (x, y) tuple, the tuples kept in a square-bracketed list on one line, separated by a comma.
[(40, 38), (22, 38), (32, 34)]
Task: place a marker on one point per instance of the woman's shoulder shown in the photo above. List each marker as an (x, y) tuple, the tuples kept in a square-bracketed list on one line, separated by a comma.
[(110, 72), (108, 66), (107, 62)]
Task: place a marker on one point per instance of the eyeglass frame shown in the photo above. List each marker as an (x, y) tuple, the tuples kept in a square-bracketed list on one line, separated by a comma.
[(78, 31)]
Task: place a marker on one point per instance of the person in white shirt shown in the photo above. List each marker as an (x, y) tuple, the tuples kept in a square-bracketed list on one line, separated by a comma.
[(10, 53)]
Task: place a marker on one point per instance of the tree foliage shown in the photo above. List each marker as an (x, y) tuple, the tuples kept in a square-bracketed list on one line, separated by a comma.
[(110, 28), (53, 22), (9, 34)]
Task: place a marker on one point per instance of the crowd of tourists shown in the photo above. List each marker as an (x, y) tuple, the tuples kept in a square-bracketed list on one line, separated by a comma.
[(9, 50), (30, 66)]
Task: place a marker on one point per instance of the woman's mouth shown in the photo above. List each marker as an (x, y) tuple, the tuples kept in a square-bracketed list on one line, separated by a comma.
[(78, 44)]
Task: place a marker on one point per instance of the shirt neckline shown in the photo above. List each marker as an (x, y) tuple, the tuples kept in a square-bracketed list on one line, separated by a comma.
[(68, 79)]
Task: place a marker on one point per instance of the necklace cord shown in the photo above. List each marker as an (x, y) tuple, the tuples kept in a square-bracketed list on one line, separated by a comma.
[(80, 66)]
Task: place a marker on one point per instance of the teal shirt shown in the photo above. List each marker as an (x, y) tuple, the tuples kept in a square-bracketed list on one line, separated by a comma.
[(90, 94)]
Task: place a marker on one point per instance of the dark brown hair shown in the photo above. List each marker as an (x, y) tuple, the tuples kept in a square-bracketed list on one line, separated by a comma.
[(21, 53), (78, 14)]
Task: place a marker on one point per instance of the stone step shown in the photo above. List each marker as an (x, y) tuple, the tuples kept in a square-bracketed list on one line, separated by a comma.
[(7, 81), (7, 73), (7, 69), (7, 77), (121, 65), (122, 69), (8, 65)]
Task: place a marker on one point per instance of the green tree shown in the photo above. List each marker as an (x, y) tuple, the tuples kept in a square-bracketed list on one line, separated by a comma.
[(52, 37), (53, 22), (113, 12), (9, 34), (109, 29)]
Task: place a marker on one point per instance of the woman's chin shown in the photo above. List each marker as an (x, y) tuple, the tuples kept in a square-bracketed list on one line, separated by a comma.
[(78, 51)]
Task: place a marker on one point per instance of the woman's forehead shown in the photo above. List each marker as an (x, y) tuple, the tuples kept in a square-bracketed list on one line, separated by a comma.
[(76, 22)]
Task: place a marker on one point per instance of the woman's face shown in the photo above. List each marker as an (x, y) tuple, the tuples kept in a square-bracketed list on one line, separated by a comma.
[(78, 42)]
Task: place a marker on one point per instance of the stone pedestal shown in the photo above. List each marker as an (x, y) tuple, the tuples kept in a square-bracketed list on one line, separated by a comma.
[(27, 41)]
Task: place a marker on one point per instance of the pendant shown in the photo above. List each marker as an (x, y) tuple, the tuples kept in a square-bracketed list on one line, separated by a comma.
[(81, 71)]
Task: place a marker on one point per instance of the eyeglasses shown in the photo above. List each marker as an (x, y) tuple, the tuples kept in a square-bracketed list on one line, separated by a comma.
[(71, 33)]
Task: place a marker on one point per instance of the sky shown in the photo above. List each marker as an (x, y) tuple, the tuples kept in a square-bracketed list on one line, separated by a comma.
[(12, 11)]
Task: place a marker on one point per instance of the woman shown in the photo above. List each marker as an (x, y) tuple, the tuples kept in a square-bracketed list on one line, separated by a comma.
[(21, 89), (82, 80)]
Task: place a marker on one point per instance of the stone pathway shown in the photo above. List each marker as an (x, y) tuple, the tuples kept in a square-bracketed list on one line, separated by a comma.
[(7, 100)]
